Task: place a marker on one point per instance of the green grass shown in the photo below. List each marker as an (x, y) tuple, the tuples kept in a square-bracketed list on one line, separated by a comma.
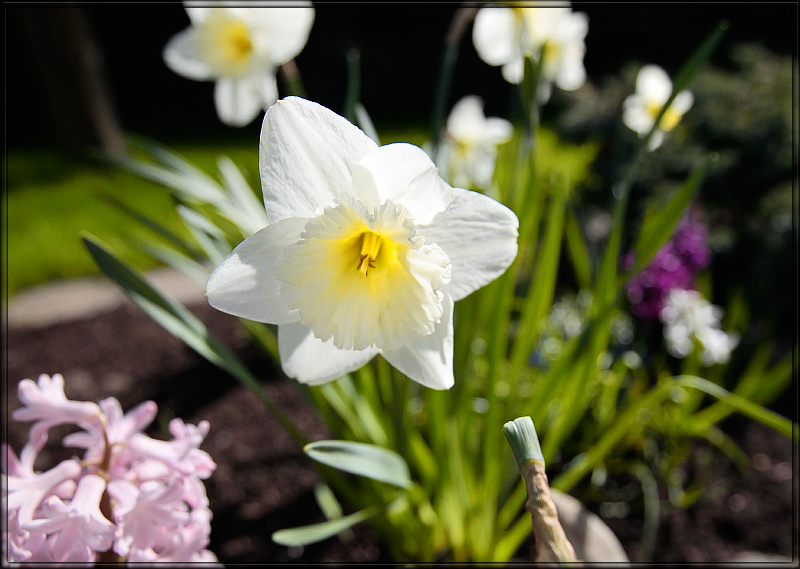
[(51, 199)]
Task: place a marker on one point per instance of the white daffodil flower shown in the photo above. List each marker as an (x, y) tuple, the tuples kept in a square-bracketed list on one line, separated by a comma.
[(470, 150), (367, 252), (503, 35), (239, 48), (640, 110), (687, 317)]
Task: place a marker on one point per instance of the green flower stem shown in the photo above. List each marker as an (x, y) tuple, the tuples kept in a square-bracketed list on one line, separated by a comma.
[(353, 84), (459, 24), (292, 79)]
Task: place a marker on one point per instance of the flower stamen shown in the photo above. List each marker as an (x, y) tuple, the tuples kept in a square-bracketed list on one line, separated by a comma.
[(370, 248)]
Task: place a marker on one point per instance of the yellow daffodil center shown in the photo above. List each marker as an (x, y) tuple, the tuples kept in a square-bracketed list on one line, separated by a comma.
[(235, 41), (226, 44), (364, 278), (670, 119)]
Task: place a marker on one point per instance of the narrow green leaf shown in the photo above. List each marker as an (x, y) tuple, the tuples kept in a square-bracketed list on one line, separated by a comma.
[(687, 73), (307, 535), (660, 221), (327, 501), (153, 225), (178, 261), (176, 319), (578, 251), (166, 156), (362, 459)]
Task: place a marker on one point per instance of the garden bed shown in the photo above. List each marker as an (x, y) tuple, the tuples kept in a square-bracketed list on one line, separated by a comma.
[(264, 482)]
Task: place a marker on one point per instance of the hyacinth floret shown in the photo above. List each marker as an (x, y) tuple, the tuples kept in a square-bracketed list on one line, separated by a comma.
[(128, 498)]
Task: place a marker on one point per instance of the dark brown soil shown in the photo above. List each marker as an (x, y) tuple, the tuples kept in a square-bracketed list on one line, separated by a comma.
[(264, 482)]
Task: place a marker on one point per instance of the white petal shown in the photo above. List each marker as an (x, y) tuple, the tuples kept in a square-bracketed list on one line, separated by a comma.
[(429, 360), (404, 174), (635, 115), (182, 55), (197, 11), (653, 84), (244, 284), (656, 140), (497, 130), (238, 101), (306, 157), (308, 359), (480, 237), (283, 29), (466, 121), (683, 102), (494, 35), (514, 70), (571, 74)]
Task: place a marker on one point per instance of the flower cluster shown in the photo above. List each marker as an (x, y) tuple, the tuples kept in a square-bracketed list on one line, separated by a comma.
[(130, 497), (553, 35), (675, 265), (687, 317), (640, 110), (470, 147)]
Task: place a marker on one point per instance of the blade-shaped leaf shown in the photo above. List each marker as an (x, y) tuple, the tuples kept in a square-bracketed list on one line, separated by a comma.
[(177, 319), (307, 535), (659, 223), (363, 459), (153, 225), (178, 261)]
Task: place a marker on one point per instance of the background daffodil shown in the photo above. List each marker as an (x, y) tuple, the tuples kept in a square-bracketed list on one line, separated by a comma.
[(470, 150), (640, 110), (554, 35), (367, 250), (239, 48)]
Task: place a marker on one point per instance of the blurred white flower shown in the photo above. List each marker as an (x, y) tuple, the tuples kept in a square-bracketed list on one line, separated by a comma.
[(640, 110), (470, 148), (367, 252), (239, 47), (687, 317), (554, 34)]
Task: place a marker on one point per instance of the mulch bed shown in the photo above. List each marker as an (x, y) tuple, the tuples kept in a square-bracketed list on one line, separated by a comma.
[(264, 482)]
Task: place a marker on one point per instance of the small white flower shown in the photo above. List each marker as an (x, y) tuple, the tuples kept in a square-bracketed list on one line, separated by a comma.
[(640, 110), (687, 317), (239, 48), (367, 251), (470, 150), (503, 35)]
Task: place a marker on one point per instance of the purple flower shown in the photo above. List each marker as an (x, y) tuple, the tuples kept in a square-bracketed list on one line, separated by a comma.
[(675, 265)]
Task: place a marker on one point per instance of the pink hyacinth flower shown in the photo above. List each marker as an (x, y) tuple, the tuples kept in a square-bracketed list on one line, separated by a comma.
[(79, 527)]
